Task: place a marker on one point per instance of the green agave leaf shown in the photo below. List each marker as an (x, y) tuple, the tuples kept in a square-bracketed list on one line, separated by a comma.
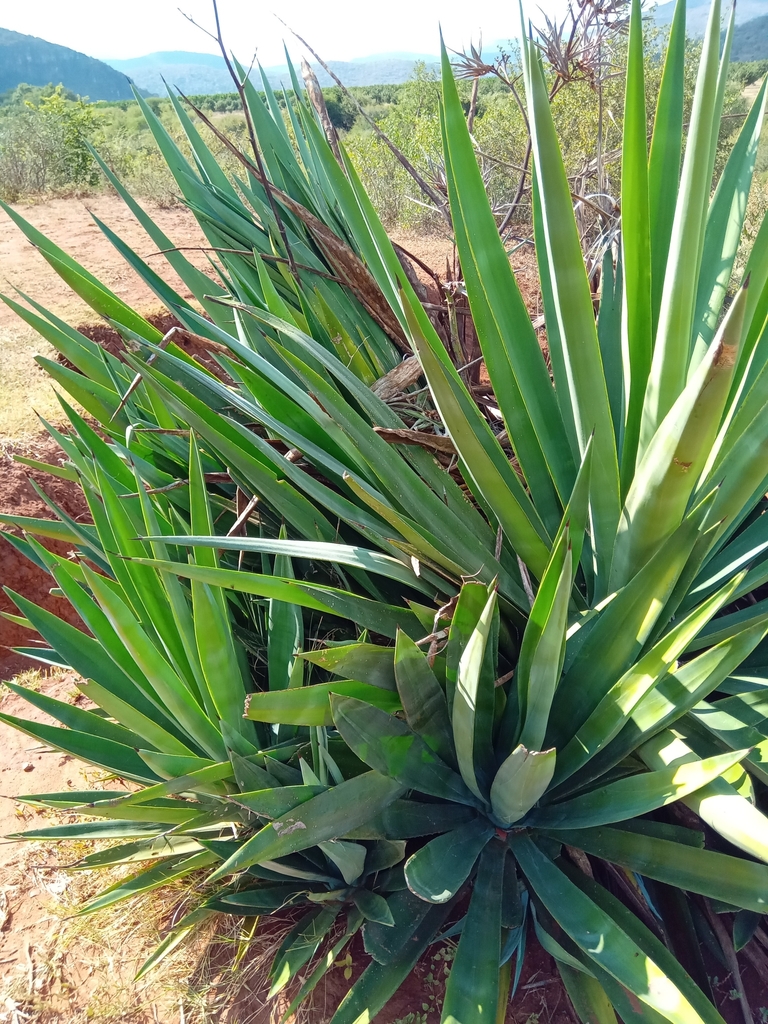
[(285, 637), (62, 472), (646, 940), (666, 154), (299, 946), (89, 288), (724, 229), (423, 699), (543, 651), (95, 830), (520, 782), (745, 924), (340, 554), (741, 717), (385, 942), (111, 673), (201, 781), (482, 458), (675, 456), (311, 705), (149, 879), (587, 995), (557, 947), (263, 900), (610, 715), (614, 638), (174, 766), (373, 907), (473, 704), (97, 750), (79, 350), (325, 964), (276, 801), (76, 718), (403, 489), (507, 339), (155, 848), (394, 749), (437, 871), (379, 617), (719, 803), (174, 938), (117, 524), (100, 401), (368, 662), (734, 880), (199, 284), (170, 298), (636, 795), (71, 798), (575, 313), (600, 937), (349, 858), (170, 688), (669, 366), (327, 816), (469, 530), (50, 528), (557, 358), (410, 819), (472, 990), (222, 684), (637, 321), (676, 693), (629, 1009), (159, 812), (239, 448), (466, 615)]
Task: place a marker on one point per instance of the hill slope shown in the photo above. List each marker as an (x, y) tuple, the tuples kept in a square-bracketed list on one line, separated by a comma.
[(34, 61), (750, 40), (200, 73), (698, 12)]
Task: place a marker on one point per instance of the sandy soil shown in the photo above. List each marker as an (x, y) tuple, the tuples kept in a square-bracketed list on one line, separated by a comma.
[(24, 388)]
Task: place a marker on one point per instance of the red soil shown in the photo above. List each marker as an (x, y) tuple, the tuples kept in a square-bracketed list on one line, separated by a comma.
[(18, 498)]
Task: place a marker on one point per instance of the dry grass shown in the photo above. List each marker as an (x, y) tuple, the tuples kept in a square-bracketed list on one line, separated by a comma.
[(26, 392), (81, 969), (71, 968)]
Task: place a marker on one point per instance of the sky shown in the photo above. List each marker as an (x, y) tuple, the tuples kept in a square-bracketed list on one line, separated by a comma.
[(337, 29)]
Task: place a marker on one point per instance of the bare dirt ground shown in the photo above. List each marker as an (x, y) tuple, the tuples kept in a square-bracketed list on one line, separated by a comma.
[(24, 388)]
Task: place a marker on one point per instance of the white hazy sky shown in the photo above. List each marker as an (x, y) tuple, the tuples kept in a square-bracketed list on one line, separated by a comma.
[(337, 29)]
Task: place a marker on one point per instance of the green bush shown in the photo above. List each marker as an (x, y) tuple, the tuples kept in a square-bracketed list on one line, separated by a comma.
[(44, 143)]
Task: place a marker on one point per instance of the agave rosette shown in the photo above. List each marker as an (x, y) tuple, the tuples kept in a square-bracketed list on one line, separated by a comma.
[(529, 668)]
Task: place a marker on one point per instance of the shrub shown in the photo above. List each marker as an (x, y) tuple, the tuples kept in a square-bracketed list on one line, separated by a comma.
[(44, 144)]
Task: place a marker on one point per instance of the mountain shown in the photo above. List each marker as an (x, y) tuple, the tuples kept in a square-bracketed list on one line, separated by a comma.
[(201, 73), (750, 40), (37, 62), (698, 12)]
